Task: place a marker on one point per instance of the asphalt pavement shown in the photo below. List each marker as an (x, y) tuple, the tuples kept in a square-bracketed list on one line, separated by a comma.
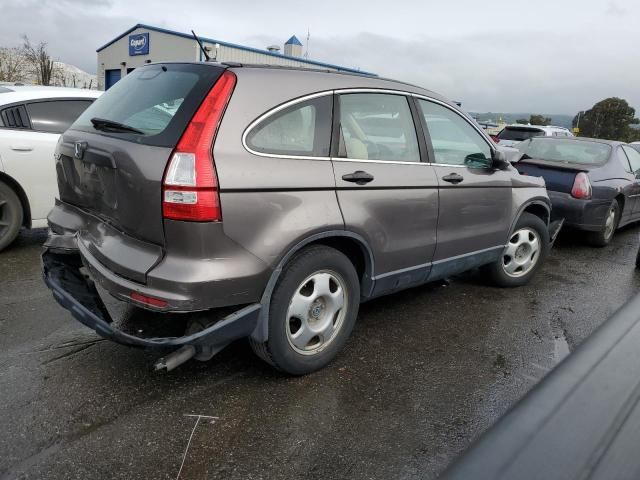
[(424, 373)]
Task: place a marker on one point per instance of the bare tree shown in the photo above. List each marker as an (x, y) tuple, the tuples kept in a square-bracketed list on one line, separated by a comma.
[(39, 61), (11, 65)]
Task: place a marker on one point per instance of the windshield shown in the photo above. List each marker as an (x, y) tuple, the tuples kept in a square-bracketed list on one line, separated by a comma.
[(519, 134), (566, 151), (155, 101)]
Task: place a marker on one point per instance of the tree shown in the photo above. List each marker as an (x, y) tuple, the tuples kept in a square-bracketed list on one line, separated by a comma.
[(609, 119), (11, 65), (39, 61), (539, 120)]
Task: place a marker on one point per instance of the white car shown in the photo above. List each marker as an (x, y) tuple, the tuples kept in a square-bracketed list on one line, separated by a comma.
[(513, 134), (31, 121)]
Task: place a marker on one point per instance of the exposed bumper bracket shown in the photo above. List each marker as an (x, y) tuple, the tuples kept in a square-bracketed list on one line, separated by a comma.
[(73, 291)]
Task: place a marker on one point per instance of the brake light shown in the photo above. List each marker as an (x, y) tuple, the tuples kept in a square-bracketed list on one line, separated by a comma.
[(581, 187), (495, 138), (190, 185)]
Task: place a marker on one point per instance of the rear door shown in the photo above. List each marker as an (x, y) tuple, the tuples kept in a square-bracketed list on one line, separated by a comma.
[(27, 149), (116, 174), (475, 201), (386, 193)]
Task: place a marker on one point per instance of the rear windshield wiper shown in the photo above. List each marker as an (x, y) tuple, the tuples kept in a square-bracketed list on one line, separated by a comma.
[(104, 124)]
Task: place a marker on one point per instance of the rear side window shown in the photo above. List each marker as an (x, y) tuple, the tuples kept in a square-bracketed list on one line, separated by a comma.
[(454, 140), (15, 117), (519, 134), (158, 100), (55, 116), (303, 129), (376, 126)]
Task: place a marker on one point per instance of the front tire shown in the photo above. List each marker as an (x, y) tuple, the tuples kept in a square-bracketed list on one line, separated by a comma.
[(603, 237), (527, 248), (11, 215), (312, 312)]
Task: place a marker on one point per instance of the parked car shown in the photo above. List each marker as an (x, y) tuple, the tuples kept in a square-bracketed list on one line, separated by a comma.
[(290, 194), (511, 135), (593, 184), (31, 120)]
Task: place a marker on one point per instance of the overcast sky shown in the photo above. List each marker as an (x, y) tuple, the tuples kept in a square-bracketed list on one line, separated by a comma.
[(551, 56)]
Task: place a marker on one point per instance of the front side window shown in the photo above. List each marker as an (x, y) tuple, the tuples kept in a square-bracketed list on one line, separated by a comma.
[(634, 159), (55, 116), (376, 126), (303, 129), (454, 141)]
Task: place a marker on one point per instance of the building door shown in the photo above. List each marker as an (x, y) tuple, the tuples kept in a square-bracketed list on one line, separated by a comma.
[(111, 77)]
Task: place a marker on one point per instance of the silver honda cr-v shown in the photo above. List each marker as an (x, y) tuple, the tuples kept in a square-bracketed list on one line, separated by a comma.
[(291, 195)]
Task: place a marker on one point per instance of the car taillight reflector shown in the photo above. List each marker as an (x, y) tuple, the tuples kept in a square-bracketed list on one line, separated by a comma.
[(190, 185), (146, 300), (581, 186)]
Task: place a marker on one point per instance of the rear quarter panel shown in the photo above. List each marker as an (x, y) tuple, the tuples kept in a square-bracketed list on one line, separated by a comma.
[(269, 204)]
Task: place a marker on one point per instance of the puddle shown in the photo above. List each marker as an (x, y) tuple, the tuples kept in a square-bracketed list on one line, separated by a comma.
[(561, 348)]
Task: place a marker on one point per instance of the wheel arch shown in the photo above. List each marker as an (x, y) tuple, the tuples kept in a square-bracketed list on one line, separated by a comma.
[(540, 207), (24, 201), (352, 245)]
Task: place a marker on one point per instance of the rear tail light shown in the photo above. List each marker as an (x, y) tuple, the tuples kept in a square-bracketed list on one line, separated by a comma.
[(581, 187), (495, 138), (190, 185)]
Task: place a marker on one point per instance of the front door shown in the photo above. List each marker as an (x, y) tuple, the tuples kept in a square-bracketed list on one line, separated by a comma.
[(633, 196), (386, 193), (475, 200)]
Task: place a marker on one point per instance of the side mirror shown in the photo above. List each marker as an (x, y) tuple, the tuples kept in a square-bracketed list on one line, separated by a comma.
[(500, 160)]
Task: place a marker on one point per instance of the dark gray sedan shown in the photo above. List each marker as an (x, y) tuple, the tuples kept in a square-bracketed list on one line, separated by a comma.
[(593, 184)]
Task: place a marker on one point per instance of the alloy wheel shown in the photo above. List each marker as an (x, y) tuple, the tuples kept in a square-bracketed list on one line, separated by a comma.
[(522, 252), (316, 312)]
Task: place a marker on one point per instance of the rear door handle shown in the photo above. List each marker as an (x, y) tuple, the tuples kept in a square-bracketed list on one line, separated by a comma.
[(358, 177), (21, 148), (453, 178)]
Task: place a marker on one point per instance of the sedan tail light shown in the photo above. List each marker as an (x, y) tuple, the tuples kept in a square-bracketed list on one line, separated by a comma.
[(581, 187), (190, 185)]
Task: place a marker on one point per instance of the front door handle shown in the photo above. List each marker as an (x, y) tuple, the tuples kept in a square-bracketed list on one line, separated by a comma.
[(453, 178), (21, 148), (358, 177)]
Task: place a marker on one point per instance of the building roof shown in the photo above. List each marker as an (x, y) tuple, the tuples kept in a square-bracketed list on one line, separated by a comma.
[(293, 41), (239, 47)]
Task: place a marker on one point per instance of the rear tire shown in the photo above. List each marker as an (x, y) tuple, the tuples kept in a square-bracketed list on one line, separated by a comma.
[(312, 312), (11, 215), (527, 249), (603, 237)]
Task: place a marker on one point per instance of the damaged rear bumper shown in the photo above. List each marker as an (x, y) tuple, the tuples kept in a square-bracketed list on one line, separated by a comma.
[(76, 292)]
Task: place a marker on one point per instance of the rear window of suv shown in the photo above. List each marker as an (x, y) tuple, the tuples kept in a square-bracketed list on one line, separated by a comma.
[(158, 100), (519, 134)]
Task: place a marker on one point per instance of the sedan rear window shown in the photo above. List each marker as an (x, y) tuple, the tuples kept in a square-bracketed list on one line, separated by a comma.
[(519, 133), (157, 101), (566, 151)]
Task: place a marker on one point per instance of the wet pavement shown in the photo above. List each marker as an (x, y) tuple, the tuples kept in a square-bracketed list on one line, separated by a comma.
[(424, 373)]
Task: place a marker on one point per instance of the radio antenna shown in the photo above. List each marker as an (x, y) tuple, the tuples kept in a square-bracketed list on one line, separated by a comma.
[(204, 50)]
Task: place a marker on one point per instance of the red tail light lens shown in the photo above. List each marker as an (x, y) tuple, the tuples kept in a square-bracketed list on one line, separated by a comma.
[(495, 138), (190, 185), (581, 186), (150, 301)]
